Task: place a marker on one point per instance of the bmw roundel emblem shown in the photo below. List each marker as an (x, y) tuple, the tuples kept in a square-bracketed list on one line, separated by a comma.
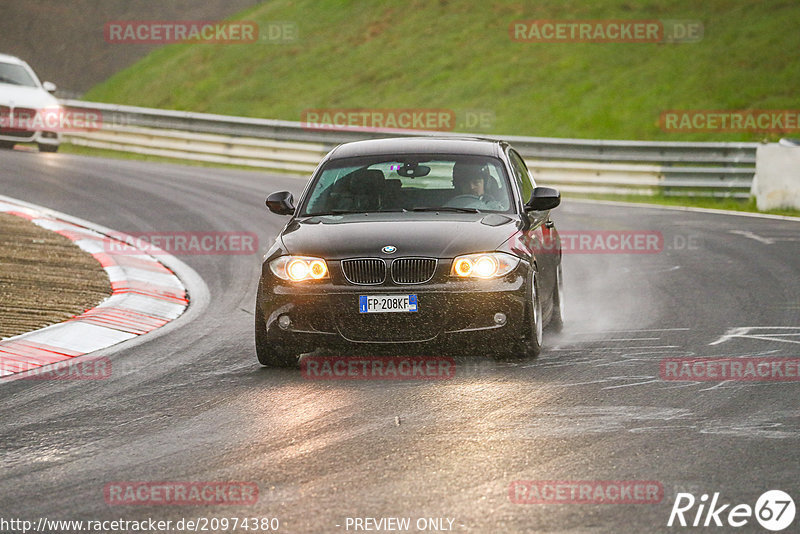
[(389, 249)]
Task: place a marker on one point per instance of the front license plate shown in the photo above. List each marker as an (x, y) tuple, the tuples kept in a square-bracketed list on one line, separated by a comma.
[(387, 303)]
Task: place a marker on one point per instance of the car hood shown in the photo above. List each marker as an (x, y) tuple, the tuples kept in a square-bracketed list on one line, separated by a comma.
[(413, 234), (26, 97)]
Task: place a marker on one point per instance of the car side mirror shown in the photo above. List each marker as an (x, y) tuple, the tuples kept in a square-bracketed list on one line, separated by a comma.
[(281, 203), (543, 199), (50, 87)]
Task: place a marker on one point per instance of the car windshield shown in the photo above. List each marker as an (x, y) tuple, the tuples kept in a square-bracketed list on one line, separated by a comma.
[(409, 183), (15, 75)]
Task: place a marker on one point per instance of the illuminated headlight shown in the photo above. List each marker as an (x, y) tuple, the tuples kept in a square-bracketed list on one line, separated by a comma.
[(487, 265), (299, 268)]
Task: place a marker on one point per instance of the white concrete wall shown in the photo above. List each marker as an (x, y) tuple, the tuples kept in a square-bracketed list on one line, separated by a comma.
[(777, 180)]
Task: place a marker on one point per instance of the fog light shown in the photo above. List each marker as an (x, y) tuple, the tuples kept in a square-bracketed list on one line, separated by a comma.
[(284, 322), (499, 318)]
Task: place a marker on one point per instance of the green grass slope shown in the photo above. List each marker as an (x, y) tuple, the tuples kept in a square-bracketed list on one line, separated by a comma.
[(458, 55)]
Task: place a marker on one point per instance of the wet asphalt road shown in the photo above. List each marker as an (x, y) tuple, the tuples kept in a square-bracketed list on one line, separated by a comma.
[(194, 405)]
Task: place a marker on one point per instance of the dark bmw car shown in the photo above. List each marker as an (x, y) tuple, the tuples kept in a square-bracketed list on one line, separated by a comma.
[(412, 244)]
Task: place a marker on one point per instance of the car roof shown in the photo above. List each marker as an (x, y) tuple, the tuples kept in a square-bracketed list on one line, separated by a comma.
[(475, 146), (5, 58)]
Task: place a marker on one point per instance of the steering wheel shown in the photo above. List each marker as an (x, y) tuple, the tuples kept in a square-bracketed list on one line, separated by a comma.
[(464, 197), (463, 201)]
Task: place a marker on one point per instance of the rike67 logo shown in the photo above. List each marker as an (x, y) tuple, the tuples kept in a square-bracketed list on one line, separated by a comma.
[(774, 510)]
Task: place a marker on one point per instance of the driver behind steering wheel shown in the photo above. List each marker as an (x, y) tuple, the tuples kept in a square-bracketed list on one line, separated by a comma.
[(471, 182)]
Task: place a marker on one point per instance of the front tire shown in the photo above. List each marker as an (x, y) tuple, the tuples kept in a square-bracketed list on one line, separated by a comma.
[(532, 345), (557, 317)]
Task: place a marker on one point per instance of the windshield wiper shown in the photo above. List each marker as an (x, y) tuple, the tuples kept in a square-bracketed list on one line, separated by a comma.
[(351, 212), (9, 80), (337, 212), (447, 208)]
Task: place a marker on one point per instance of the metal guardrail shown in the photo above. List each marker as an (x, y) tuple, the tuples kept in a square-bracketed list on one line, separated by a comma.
[(573, 165)]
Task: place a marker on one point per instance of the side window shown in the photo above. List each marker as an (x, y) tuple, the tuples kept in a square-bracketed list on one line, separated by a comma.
[(521, 175), (320, 195)]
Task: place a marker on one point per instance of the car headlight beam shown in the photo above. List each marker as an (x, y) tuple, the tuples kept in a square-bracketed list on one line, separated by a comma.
[(318, 269), (486, 266), (483, 265), (299, 268), (462, 267)]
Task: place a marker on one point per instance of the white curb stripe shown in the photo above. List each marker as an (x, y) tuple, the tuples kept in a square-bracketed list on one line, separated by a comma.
[(145, 295)]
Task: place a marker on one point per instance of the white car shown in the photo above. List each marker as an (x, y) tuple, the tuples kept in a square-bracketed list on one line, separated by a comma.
[(22, 98)]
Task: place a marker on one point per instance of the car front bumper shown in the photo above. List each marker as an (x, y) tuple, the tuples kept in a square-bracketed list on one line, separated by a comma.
[(25, 136), (454, 313)]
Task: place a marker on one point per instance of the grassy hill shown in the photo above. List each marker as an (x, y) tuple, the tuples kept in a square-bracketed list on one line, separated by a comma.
[(458, 55), (64, 41)]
